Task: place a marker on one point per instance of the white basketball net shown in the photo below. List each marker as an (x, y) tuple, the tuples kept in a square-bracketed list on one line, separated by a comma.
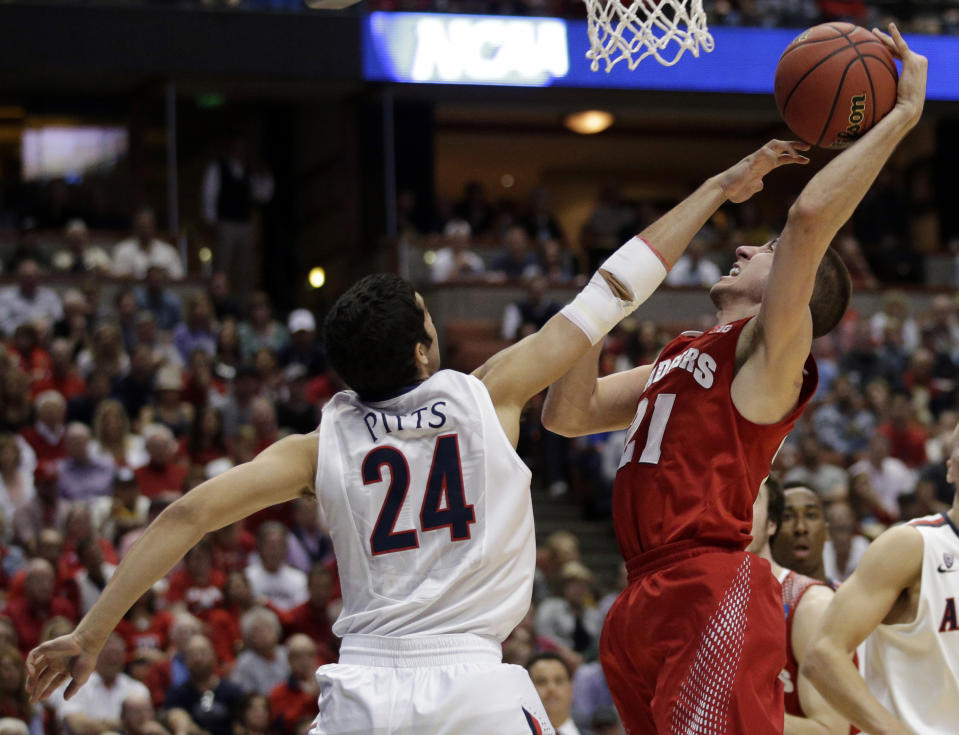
[(631, 32)]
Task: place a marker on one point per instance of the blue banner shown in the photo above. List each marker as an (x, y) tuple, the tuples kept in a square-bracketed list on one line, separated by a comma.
[(440, 48)]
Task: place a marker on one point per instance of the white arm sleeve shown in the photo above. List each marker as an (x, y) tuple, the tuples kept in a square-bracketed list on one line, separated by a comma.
[(596, 309)]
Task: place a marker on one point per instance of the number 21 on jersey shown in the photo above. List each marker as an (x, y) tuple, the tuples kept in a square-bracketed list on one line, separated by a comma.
[(662, 407), (444, 503)]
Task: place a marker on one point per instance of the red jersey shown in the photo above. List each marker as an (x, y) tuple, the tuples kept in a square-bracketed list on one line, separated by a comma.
[(794, 587), (150, 633), (692, 465)]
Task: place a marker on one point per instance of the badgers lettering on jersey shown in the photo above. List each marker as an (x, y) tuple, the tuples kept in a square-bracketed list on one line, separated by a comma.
[(427, 417), (700, 364)]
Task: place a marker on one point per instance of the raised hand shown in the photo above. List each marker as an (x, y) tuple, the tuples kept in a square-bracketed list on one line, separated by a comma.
[(744, 179), (911, 95), (52, 663)]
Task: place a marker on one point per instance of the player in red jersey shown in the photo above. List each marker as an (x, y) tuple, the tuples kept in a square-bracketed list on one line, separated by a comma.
[(695, 642), (804, 601)]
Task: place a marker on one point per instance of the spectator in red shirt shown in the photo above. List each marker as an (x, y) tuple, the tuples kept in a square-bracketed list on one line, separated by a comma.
[(161, 474), (146, 630), (232, 546), (263, 421), (312, 617), (205, 441), (27, 353), (224, 621), (197, 586), (49, 546), (297, 699), (45, 510), (45, 437), (79, 529), (907, 440), (62, 375), (38, 605)]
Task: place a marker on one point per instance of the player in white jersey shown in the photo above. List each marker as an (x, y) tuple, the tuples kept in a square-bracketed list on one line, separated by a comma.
[(901, 601), (425, 498)]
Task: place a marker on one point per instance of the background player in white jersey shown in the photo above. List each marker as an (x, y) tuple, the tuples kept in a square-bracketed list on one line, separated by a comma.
[(804, 601), (426, 500), (901, 601)]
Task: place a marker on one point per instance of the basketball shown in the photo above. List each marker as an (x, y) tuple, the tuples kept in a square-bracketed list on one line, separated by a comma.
[(833, 83)]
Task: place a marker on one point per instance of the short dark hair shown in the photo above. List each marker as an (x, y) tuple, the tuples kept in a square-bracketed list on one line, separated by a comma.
[(775, 503), (793, 484), (548, 656), (831, 294), (371, 333)]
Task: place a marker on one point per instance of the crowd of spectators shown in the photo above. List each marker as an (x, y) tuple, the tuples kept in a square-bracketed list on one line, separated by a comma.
[(476, 238), (110, 408)]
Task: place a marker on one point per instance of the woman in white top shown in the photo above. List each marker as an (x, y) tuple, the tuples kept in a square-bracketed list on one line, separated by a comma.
[(16, 483), (112, 436)]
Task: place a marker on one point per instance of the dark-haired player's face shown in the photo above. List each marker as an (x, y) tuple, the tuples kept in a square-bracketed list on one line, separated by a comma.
[(798, 545)]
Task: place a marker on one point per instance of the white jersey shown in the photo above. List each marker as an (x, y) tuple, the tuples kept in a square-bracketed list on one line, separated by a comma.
[(429, 509), (913, 668)]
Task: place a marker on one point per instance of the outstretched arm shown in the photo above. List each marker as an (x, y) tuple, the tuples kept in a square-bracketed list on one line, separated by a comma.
[(780, 339), (281, 472), (579, 403), (891, 565), (820, 718)]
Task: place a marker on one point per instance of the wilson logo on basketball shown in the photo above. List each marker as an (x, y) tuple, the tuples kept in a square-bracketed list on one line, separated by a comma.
[(857, 107)]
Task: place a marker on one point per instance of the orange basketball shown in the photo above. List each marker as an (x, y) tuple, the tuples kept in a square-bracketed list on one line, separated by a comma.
[(833, 83)]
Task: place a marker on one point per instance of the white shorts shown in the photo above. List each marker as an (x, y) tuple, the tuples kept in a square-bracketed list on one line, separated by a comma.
[(427, 685)]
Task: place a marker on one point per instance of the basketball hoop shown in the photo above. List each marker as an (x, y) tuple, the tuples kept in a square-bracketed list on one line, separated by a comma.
[(621, 30)]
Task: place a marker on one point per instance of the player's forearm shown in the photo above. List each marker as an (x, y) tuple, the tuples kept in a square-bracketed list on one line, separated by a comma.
[(803, 726), (832, 195), (566, 410), (835, 676), (811, 726), (672, 232), (161, 546)]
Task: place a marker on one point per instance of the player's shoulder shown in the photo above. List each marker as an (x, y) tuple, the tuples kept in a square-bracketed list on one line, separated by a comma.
[(810, 609), (297, 450), (895, 554), (818, 595)]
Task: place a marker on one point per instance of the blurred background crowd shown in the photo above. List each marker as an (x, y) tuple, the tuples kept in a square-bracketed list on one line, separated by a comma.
[(114, 406)]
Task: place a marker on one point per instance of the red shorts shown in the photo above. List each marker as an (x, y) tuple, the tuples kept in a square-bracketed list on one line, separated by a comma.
[(695, 644)]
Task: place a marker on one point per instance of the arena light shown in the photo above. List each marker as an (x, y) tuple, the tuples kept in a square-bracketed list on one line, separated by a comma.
[(205, 255), (317, 277), (588, 122)]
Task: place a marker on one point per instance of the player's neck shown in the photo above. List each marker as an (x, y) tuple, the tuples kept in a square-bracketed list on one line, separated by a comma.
[(953, 512), (736, 310), (767, 554)]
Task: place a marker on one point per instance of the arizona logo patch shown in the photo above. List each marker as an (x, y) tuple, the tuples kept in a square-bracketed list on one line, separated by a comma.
[(948, 559)]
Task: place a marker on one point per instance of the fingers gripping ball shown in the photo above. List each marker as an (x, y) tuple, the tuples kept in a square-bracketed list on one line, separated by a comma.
[(833, 83)]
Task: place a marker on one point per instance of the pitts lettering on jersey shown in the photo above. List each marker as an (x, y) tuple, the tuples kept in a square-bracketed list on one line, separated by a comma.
[(700, 364), (427, 417)]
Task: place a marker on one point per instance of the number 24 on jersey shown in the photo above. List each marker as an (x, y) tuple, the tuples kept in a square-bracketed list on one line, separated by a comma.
[(444, 484)]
